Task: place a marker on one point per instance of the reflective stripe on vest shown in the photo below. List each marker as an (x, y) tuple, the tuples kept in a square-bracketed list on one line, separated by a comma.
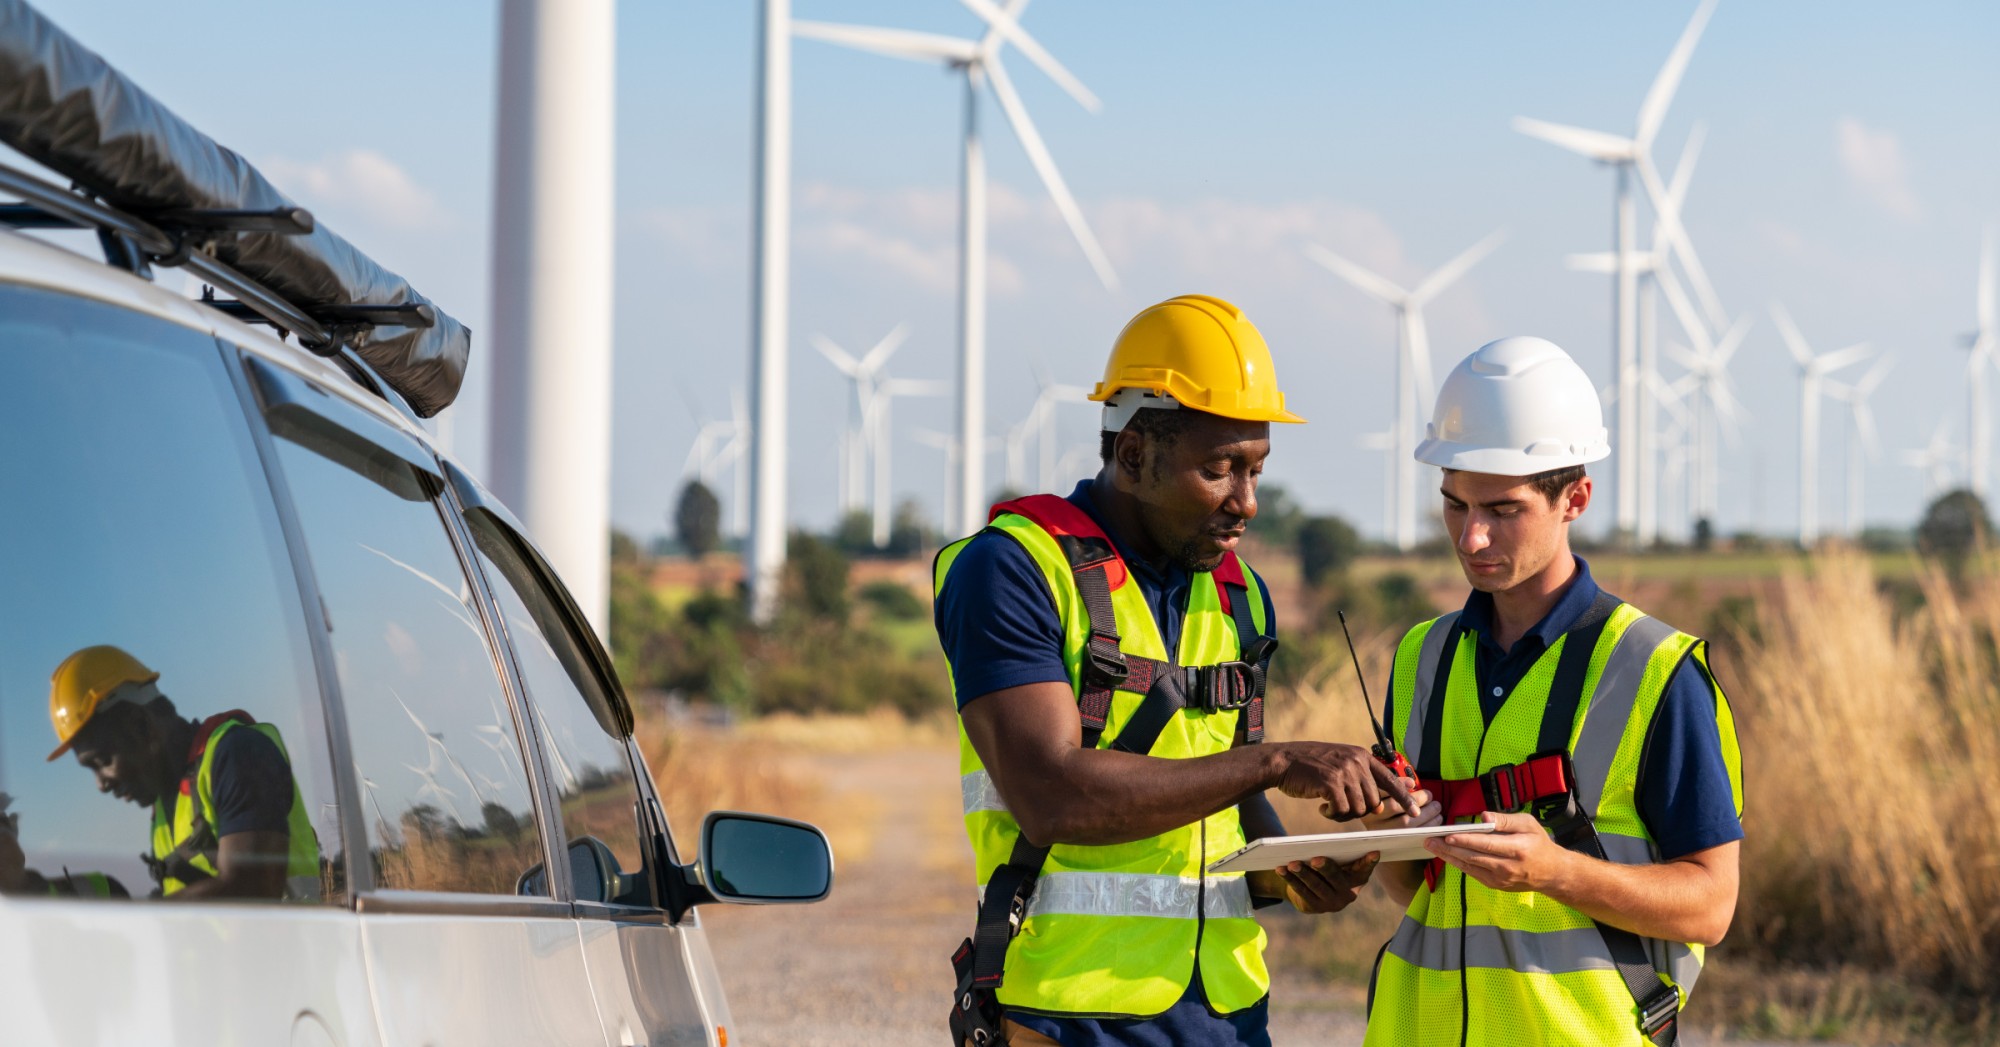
[(302, 864), (1113, 930), (1502, 961)]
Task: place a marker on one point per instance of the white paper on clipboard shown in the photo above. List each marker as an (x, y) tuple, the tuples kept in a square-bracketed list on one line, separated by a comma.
[(1396, 845)]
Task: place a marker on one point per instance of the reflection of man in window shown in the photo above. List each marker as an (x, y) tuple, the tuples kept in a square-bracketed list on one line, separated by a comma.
[(228, 820)]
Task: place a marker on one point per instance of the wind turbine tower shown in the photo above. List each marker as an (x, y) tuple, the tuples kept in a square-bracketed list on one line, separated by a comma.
[(858, 444), (1632, 157), (1414, 387), (1863, 441), (1812, 371), (770, 318), (550, 441), (979, 62)]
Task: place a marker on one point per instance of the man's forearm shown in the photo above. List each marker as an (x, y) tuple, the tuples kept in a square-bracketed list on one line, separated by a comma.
[(1098, 797), (1682, 901)]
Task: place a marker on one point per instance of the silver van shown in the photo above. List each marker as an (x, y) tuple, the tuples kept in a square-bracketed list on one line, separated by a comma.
[(337, 759)]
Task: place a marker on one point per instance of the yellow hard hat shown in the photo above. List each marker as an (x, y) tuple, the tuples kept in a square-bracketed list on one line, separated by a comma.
[(86, 681), (1202, 352)]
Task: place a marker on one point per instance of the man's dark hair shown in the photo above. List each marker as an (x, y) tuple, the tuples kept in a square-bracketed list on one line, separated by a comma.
[(1551, 484), (1157, 426)]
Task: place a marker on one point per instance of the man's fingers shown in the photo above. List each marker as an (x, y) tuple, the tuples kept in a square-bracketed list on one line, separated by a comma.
[(1391, 783)]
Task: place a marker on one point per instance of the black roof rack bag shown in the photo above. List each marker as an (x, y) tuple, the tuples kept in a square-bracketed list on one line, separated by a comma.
[(66, 108)]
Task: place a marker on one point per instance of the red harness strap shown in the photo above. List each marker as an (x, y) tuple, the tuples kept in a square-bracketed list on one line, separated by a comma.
[(200, 745), (1505, 789)]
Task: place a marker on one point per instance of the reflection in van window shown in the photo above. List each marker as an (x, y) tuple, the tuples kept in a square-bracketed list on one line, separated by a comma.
[(160, 730), (444, 785), (587, 761)]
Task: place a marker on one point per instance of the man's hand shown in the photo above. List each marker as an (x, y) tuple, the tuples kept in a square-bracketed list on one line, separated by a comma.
[(1319, 885), (1347, 780), (1517, 856), (1390, 815)]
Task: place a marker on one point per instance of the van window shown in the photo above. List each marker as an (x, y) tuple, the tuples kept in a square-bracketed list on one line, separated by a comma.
[(585, 748), (442, 776), (153, 621)]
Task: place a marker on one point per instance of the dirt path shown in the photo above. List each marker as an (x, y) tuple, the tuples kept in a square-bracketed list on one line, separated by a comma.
[(868, 966)]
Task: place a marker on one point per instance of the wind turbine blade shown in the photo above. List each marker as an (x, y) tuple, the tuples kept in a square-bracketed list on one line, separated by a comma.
[(1598, 262), (1045, 165), (1010, 28), (1667, 221), (1794, 341), (1684, 314), (1375, 286), (1864, 423), (1840, 358), (884, 349), (1694, 362), (1733, 338), (1684, 168), (1654, 109), (1594, 144), (1873, 379), (895, 43), (836, 355), (1452, 270), (916, 387)]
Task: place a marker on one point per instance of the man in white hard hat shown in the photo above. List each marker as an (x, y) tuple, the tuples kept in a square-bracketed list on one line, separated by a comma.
[(1593, 737)]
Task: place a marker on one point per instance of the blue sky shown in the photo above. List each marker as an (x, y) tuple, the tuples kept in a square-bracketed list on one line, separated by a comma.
[(1853, 154)]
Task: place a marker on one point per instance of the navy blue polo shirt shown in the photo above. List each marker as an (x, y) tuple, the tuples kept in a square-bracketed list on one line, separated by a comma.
[(998, 624), (1684, 796)]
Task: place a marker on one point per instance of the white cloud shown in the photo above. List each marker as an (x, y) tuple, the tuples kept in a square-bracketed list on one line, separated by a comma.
[(1875, 164), (359, 182)]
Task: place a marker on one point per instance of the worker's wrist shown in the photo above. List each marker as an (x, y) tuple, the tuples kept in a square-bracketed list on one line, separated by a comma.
[(1273, 761), (1559, 879)]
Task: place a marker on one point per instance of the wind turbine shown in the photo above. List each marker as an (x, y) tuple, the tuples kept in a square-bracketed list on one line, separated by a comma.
[(1633, 156), (1812, 371), (1863, 441), (1717, 402), (1040, 424), (770, 316), (1982, 342), (1934, 459), (883, 436), (1414, 388), (858, 445), (979, 62)]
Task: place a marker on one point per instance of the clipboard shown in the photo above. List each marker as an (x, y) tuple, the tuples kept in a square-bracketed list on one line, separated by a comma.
[(1396, 845)]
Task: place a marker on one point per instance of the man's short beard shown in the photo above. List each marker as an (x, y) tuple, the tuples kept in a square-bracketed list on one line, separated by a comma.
[(1192, 555)]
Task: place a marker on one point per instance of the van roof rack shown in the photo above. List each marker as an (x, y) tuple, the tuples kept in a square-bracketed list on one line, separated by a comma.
[(158, 192)]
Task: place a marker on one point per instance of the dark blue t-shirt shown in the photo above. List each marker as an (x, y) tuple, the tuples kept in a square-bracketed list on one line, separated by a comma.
[(252, 781), (1684, 797), (999, 626)]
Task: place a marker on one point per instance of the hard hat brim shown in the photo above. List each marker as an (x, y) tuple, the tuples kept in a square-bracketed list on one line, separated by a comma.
[(1502, 461)]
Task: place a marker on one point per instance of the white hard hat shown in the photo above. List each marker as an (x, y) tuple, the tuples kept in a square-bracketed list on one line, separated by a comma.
[(1515, 407)]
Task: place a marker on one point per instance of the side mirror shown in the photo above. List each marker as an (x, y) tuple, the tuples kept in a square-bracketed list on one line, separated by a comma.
[(764, 860), (593, 869)]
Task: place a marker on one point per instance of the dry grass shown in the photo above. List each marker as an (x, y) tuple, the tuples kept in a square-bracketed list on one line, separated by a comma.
[(1872, 749), (700, 769), (1870, 904)]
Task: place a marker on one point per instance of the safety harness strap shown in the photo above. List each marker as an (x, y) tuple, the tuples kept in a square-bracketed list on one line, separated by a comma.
[(201, 841), (1254, 647)]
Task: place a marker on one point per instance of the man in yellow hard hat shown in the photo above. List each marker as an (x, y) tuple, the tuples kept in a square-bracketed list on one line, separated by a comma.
[(228, 818), (1108, 651)]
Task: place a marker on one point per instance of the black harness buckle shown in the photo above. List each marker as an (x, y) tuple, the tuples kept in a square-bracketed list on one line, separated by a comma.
[(1221, 687), (1659, 1011), (1105, 661)]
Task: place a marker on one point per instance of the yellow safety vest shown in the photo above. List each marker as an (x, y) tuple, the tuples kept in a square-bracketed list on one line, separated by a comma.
[(1117, 930), (1476, 966), (302, 866)]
